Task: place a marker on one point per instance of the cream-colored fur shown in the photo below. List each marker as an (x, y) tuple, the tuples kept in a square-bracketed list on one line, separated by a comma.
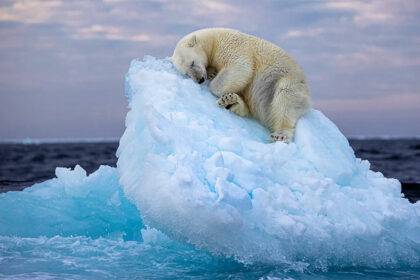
[(251, 76)]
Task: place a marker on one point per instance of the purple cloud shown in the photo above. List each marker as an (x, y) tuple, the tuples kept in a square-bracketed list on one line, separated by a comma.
[(63, 62)]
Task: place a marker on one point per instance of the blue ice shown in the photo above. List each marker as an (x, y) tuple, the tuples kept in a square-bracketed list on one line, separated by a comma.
[(207, 177), (199, 191)]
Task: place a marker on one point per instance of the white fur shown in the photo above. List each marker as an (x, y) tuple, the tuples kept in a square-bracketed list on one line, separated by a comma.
[(250, 75)]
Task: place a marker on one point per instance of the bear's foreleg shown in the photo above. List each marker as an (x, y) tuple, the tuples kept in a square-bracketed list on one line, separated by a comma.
[(228, 83), (231, 79)]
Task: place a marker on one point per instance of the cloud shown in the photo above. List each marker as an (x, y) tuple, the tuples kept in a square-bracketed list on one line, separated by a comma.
[(27, 11), (353, 52), (110, 33), (377, 12), (120, 20), (213, 7), (307, 32), (392, 102), (375, 57)]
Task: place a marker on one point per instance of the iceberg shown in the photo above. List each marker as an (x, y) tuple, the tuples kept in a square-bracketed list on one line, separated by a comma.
[(72, 204), (83, 227), (199, 191), (203, 175)]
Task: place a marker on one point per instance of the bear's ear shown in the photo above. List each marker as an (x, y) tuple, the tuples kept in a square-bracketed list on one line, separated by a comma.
[(192, 41)]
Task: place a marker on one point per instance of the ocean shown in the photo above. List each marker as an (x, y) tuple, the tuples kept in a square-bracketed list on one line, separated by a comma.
[(75, 247), (22, 165)]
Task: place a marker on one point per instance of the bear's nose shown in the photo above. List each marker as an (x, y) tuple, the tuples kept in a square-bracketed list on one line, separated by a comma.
[(201, 81)]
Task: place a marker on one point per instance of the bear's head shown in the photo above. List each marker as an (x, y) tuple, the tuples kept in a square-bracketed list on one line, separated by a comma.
[(190, 58)]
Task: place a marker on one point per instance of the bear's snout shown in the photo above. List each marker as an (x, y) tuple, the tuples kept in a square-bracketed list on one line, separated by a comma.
[(201, 81)]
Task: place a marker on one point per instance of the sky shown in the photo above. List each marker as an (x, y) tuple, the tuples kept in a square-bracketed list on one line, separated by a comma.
[(62, 63)]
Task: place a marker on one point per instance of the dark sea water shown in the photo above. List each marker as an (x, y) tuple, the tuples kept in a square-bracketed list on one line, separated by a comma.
[(80, 254), (23, 165)]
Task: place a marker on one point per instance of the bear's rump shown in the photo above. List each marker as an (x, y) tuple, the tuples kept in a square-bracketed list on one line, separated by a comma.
[(261, 94)]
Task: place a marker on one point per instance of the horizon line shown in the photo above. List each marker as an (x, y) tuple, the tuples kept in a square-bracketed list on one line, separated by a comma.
[(36, 141)]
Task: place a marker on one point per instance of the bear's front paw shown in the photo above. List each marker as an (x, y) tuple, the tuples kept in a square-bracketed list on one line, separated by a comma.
[(283, 135), (211, 76), (227, 100), (211, 73)]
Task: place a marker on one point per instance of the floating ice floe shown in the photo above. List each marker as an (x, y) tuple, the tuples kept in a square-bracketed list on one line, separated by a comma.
[(73, 204), (201, 175), (205, 176)]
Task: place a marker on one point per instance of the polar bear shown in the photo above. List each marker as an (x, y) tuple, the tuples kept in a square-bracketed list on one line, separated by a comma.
[(251, 77)]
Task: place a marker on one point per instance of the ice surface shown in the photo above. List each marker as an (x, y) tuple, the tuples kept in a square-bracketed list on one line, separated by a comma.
[(80, 257), (72, 204), (205, 176), (197, 174), (83, 227)]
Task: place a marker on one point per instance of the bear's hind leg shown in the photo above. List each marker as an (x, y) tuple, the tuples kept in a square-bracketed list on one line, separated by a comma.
[(282, 135), (283, 128), (288, 106)]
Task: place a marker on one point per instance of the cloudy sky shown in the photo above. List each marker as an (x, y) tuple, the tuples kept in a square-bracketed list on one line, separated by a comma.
[(62, 63)]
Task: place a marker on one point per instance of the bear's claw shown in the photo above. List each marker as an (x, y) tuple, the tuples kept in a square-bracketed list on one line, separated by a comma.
[(227, 100), (211, 76), (211, 73), (283, 136)]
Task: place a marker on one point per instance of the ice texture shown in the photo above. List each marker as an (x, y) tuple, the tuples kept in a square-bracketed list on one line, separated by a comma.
[(81, 257), (73, 204), (83, 227), (205, 176), (193, 178)]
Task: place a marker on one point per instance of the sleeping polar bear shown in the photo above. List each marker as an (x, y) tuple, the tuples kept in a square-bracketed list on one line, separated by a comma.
[(251, 76)]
